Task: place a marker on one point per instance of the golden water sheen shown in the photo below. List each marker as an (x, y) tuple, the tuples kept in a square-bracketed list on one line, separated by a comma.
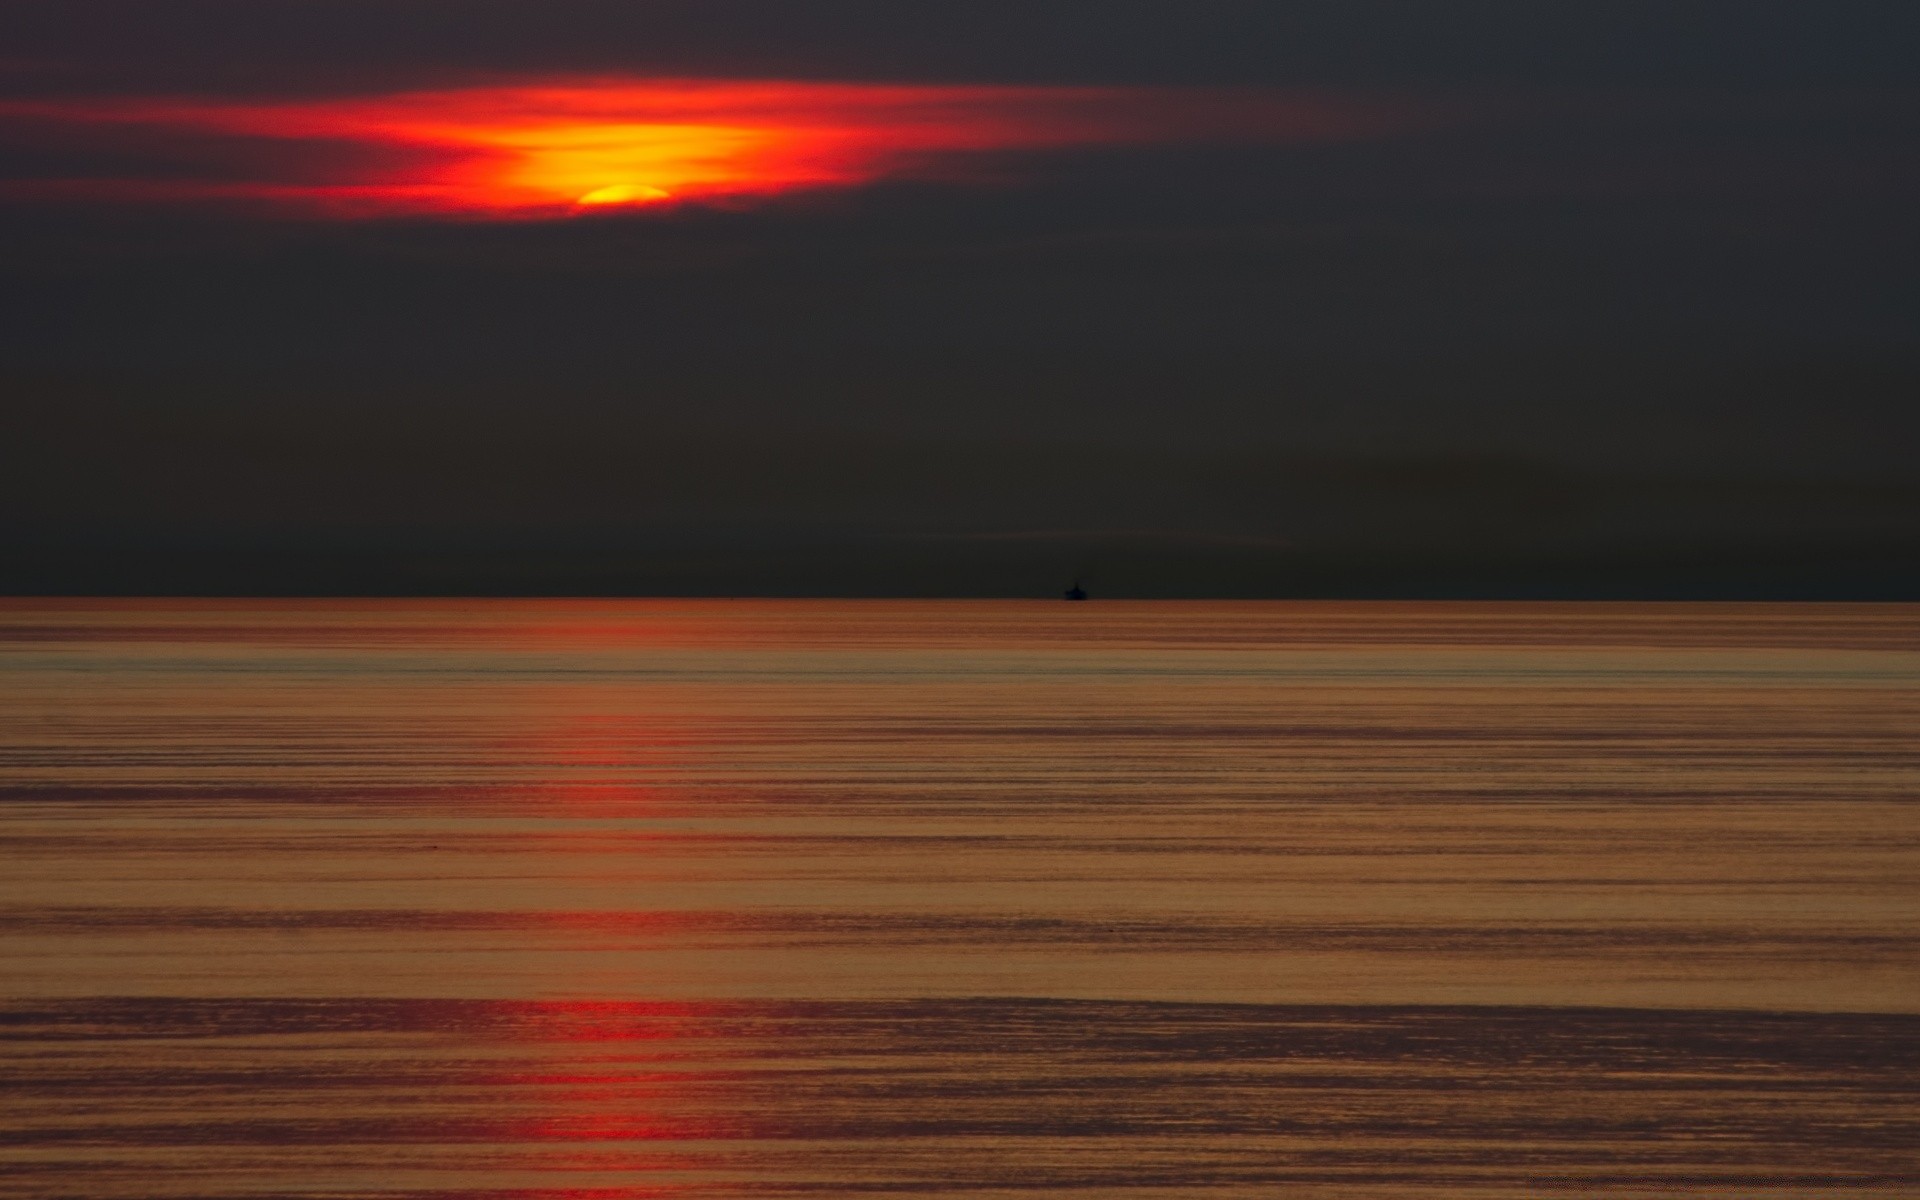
[(738, 898)]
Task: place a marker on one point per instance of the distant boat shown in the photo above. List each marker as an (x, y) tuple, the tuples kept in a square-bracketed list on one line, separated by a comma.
[(1076, 592)]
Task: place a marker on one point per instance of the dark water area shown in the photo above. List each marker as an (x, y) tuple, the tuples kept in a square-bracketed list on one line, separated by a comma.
[(955, 1097), (735, 898)]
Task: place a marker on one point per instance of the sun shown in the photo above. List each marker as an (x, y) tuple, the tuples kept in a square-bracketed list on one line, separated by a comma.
[(623, 194)]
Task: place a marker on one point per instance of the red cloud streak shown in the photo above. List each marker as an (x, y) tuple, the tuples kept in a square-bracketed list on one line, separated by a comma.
[(546, 148)]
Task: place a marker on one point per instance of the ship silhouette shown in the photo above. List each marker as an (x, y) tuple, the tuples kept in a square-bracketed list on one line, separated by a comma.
[(1076, 592)]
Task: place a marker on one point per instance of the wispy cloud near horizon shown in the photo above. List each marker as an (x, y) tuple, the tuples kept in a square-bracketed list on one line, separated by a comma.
[(542, 148)]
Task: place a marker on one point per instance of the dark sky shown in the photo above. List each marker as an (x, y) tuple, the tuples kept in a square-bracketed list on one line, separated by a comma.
[(1620, 300)]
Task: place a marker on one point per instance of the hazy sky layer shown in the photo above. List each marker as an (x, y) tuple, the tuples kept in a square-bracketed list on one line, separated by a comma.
[(1492, 298)]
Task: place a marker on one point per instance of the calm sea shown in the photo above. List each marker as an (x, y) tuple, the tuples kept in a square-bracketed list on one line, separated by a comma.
[(746, 898)]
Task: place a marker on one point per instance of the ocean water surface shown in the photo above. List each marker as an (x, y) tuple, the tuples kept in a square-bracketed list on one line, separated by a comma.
[(747, 898)]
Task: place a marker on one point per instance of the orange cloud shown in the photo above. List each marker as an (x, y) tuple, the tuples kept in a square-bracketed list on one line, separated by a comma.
[(555, 148)]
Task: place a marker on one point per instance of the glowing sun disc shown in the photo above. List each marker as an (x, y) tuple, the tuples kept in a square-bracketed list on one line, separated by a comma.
[(623, 193)]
